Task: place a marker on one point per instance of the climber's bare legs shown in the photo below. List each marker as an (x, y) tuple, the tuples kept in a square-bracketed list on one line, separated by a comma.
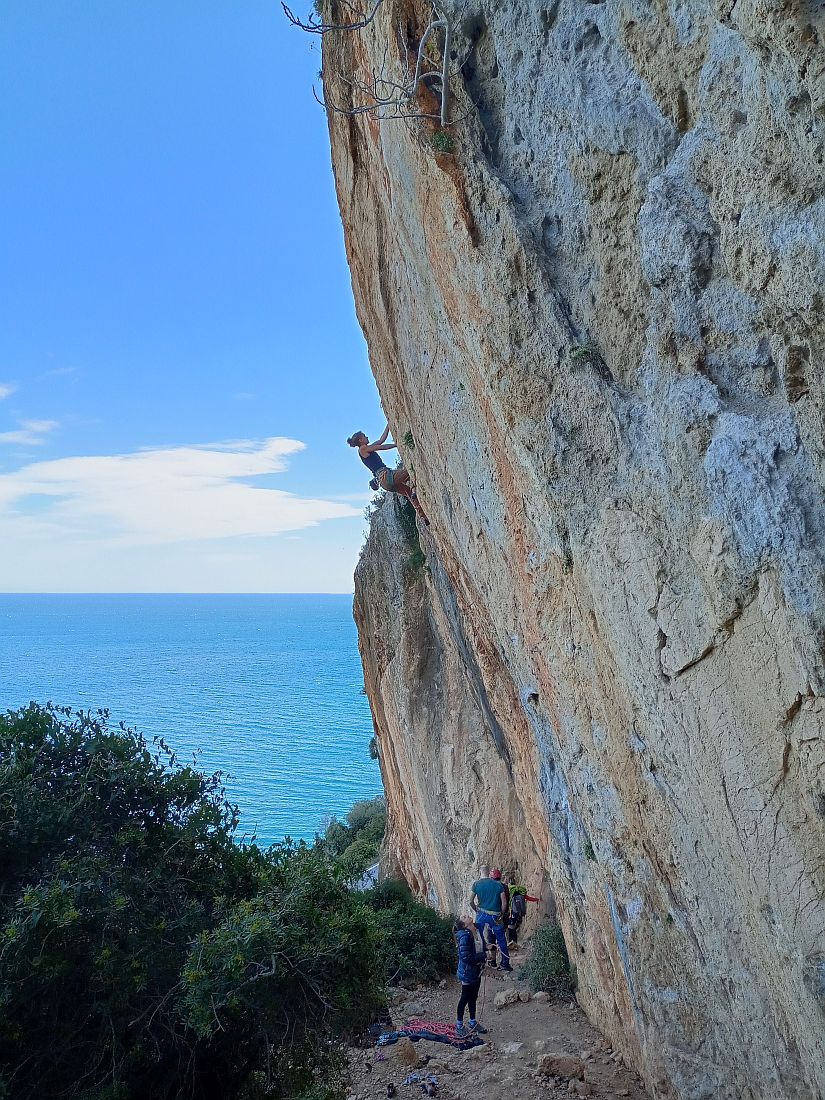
[(401, 485)]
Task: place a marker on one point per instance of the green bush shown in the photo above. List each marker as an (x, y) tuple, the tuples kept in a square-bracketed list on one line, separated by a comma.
[(549, 967), (417, 943), (143, 953), (356, 842)]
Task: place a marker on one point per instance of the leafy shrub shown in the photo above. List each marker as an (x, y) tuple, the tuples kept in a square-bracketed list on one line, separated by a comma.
[(369, 816), (356, 842), (143, 953), (549, 967), (417, 943)]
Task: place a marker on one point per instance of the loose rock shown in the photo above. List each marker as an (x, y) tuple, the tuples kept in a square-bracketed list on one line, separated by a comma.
[(407, 1054), (561, 1065)]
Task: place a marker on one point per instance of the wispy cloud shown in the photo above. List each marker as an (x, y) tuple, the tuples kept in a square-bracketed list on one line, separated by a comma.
[(7, 389), (29, 433), (154, 497)]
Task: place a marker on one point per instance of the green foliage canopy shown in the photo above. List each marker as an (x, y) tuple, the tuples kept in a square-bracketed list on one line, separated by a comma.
[(356, 842), (417, 944), (143, 953)]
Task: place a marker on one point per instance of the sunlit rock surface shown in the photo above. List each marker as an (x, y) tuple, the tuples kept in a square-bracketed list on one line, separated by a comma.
[(600, 320)]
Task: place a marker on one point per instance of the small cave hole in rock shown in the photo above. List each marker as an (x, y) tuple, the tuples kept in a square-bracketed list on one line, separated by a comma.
[(549, 16), (533, 698), (591, 36)]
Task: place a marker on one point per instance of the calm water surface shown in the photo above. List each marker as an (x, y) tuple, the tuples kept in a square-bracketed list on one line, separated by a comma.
[(268, 688)]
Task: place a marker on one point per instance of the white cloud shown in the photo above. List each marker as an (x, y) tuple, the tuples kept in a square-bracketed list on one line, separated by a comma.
[(30, 432), (7, 389), (156, 497)]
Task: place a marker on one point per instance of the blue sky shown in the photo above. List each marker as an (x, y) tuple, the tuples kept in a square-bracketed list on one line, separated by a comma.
[(180, 362)]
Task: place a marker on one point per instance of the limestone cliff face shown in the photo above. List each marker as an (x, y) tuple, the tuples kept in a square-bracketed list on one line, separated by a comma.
[(600, 318), (452, 799)]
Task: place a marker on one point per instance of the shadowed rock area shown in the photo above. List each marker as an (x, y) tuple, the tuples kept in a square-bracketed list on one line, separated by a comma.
[(596, 313)]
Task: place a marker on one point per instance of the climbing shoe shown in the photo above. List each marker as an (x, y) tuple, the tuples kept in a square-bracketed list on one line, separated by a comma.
[(477, 1029), (461, 1031)]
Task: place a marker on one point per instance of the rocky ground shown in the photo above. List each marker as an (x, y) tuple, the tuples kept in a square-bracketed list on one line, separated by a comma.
[(535, 1048)]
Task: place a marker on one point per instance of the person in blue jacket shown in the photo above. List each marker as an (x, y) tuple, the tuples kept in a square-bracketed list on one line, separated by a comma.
[(471, 956)]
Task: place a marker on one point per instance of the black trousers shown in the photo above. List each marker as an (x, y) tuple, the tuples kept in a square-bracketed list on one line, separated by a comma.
[(469, 996)]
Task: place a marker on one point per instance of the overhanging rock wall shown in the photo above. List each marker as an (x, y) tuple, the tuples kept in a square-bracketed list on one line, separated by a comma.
[(600, 319)]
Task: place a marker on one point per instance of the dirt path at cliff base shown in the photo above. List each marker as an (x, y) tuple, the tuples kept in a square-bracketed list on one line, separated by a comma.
[(519, 1036)]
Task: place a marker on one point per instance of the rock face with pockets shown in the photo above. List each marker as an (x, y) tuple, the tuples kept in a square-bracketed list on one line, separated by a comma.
[(594, 310)]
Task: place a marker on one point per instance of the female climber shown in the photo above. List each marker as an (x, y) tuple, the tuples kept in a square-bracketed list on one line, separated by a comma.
[(391, 481)]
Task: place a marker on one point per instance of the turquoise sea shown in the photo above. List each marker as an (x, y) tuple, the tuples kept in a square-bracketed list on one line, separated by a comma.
[(267, 688)]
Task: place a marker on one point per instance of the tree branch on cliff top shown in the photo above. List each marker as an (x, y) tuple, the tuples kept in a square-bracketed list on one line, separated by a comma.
[(401, 94), (315, 26)]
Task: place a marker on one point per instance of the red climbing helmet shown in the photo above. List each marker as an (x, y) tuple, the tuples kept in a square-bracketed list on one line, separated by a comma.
[(495, 873)]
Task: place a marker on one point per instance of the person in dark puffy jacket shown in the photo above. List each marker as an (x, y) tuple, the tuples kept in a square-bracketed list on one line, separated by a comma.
[(471, 956)]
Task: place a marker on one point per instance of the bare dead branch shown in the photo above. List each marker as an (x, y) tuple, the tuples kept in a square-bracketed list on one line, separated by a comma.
[(315, 26), (386, 98)]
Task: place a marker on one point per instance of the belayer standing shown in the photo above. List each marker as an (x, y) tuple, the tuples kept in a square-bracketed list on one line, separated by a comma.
[(391, 481), (471, 955), (491, 902)]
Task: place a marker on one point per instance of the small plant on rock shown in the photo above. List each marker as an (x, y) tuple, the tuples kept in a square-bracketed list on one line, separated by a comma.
[(588, 355), (581, 354), (441, 141)]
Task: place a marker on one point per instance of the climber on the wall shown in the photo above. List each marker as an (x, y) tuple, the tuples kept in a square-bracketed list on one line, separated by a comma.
[(391, 481)]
